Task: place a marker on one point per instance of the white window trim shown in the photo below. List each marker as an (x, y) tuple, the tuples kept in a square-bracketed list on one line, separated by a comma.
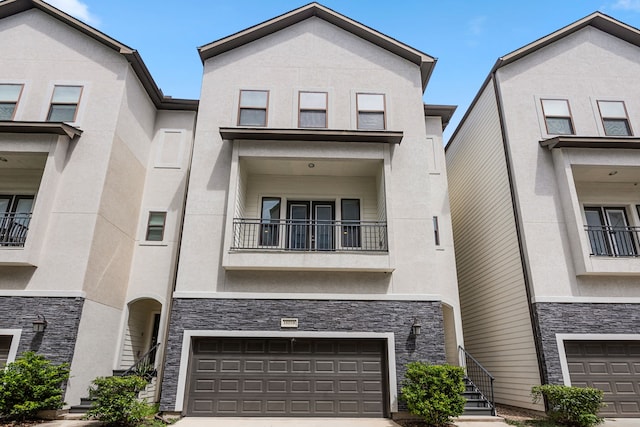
[(144, 222), (561, 338), (189, 334), (15, 342)]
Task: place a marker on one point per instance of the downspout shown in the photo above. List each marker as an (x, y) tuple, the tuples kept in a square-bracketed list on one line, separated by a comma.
[(537, 336)]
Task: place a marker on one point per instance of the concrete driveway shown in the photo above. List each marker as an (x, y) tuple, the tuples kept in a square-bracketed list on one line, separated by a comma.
[(284, 422), (621, 422)]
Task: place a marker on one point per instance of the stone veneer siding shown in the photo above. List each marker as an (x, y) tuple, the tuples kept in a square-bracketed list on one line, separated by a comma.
[(314, 315), (580, 318), (58, 341)]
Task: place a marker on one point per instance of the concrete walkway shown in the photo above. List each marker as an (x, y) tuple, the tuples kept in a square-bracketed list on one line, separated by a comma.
[(320, 422)]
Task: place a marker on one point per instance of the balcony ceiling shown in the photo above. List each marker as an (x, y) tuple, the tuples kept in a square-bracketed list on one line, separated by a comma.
[(591, 173), (321, 167), (22, 160)]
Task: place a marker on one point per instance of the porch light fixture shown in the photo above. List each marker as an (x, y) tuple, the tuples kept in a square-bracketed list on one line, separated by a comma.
[(40, 324), (416, 328), (311, 165)]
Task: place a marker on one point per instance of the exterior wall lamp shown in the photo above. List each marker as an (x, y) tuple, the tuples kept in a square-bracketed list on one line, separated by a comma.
[(416, 328), (40, 324)]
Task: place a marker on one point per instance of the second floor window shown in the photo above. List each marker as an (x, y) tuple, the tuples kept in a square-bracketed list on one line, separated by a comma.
[(64, 104), (614, 118), (253, 108), (557, 117), (155, 226), (9, 96), (313, 110), (371, 111), (609, 231)]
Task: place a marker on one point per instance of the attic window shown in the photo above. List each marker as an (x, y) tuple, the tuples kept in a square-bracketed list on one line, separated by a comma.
[(371, 111), (64, 103), (557, 116)]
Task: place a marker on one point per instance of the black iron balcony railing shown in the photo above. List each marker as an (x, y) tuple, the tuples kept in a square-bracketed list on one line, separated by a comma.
[(613, 241), (13, 228), (309, 235)]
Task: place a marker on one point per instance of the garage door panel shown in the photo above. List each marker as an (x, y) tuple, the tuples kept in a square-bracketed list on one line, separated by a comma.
[(611, 366), (312, 378)]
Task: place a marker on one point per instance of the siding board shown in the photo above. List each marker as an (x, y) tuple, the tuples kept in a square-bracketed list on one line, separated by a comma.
[(494, 307)]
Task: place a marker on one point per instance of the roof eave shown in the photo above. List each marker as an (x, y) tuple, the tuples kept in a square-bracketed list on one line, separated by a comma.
[(424, 61), (52, 128)]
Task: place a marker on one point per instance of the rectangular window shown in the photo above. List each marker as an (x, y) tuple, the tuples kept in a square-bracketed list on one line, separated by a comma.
[(557, 116), (155, 226), (371, 111), (436, 230), (253, 107), (614, 118), (270, 221), (64, 103), (313, 110), (350, 223), (9, 96), (609, 232)]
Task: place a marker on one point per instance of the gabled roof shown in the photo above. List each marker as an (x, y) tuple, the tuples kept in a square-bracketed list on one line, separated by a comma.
[(597, 20), (13, 7), (424, 61)]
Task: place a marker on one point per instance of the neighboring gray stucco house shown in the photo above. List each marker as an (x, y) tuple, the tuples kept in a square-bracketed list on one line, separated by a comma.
[(93, 160), (543, 178)]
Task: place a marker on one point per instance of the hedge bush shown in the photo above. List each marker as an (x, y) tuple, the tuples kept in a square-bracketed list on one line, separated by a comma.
[(570, 406), (30, 384), (434, 392), (116, 401)]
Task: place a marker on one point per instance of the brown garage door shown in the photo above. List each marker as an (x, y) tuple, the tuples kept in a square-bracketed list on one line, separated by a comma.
[(611, 366), (285, 377)]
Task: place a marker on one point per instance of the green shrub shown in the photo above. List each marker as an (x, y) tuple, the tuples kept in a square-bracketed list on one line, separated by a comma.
[(434, 392), (30, 384), (116, 401), (570, 406)]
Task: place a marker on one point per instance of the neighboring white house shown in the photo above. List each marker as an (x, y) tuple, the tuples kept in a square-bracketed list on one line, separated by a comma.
[(543, 179), (93, 166), (316, 230)]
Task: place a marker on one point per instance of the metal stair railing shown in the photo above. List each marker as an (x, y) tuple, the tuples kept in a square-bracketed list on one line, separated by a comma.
[(479, 376), (145, 366)]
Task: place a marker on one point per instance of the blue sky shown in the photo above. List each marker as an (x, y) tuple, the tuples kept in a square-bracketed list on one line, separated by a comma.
[(467, 36)]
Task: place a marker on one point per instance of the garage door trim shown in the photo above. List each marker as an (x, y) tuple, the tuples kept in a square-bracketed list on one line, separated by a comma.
[(15, 342), (561, 338), (190, 334)]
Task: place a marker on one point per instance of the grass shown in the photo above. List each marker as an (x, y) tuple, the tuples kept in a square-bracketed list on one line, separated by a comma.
[(531, 423)]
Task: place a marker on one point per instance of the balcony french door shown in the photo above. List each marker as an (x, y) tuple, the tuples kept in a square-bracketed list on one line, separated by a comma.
[(310, 225), (609, 232)]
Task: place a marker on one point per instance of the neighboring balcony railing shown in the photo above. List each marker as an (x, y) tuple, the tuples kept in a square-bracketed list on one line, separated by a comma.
[(613, 241), (13, 228), (309, 235)]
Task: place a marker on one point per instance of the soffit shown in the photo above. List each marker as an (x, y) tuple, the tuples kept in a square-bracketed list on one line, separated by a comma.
[(52, 128), (424, 61), (608, 142), (320, 135)]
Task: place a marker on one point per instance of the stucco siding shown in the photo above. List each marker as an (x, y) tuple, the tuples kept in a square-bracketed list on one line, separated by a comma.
[(495, 313)]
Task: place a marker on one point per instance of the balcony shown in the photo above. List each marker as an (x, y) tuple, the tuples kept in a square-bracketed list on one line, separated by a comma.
[(613, 241), (13, 228), (309, 235)]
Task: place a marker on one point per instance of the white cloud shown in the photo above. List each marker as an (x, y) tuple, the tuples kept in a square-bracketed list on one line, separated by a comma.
[(627, 5), (477, 24), (77, 9)]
